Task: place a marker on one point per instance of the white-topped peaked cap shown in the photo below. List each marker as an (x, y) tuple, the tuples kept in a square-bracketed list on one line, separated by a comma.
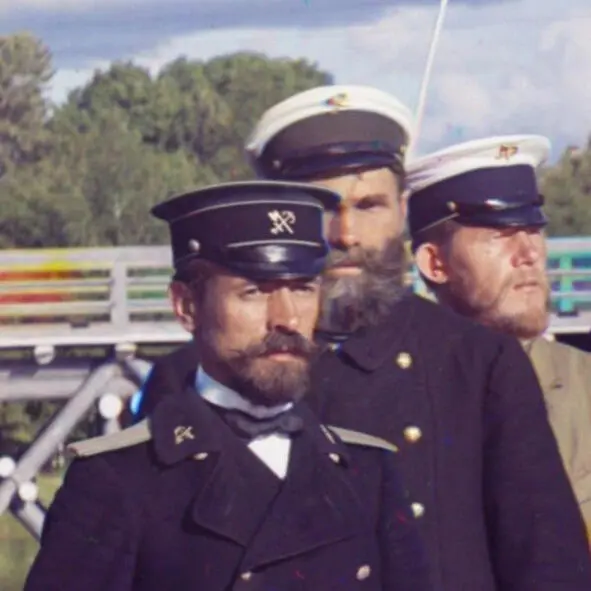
[(330, 128), (485, 182)]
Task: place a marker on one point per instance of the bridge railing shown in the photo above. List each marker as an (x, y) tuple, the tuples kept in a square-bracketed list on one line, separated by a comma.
[(79, 287), (128, 287)]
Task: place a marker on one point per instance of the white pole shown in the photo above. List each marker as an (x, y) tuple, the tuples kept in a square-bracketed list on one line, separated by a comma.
[(420, 111)]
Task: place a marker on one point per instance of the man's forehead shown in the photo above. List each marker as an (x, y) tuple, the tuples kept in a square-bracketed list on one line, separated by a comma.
[(473, 231), (360, 185), (235, 280)]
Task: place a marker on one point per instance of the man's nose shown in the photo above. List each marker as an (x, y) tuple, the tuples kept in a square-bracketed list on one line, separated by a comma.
[(341, 232), (282, 311), (527, 250)]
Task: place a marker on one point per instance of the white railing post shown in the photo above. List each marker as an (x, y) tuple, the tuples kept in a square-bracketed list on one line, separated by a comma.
[(119, 309)]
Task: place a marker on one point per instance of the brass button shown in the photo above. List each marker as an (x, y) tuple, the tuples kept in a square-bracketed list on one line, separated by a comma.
[(404, 360), (335, 458), (412, 433), (201, 456), (333, 346), (246, 576), (363, 572), (418, 510)]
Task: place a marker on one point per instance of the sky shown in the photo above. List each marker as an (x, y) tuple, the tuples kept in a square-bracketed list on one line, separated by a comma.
[(502, 66)]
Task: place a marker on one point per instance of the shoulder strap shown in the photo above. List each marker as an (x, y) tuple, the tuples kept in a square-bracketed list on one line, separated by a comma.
[(358, 438), (129, 437)]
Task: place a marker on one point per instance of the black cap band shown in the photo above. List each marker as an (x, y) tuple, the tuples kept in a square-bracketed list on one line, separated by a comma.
[(259, 229)]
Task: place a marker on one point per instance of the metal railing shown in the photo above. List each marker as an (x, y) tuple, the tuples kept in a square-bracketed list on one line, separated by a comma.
[(119, 295)]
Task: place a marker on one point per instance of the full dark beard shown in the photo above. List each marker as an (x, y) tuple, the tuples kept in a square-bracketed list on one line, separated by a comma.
[(351, 303), (272, 383)]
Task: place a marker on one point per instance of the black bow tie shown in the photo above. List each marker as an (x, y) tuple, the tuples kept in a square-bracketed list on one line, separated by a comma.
[(248, 427)]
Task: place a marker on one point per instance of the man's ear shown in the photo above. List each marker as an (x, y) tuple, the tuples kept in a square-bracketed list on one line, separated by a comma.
[(431, 264), (184, 305)]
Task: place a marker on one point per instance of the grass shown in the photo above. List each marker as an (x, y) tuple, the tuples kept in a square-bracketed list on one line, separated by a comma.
[(17, 547)]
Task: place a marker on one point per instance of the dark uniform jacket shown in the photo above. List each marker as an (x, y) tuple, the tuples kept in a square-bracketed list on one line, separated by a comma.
[(479, 460), (191, 508)]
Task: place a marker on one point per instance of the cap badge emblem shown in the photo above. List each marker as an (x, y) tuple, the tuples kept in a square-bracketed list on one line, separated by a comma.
[(282, 221), (182, 433), (506, 152), (339, 101)]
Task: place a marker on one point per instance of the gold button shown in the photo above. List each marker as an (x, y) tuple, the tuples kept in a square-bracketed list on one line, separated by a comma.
[(333, 346), (404, 360), (246, 576), (335, 458), (363, 572), (201, 456), (418, 510), (412, 434)]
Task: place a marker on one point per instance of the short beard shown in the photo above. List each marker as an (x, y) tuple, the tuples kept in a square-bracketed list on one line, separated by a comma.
[(351, 303), (466, 300), (279, 382)]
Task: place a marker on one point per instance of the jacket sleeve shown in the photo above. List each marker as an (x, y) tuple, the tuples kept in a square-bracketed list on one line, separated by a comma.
[(403, 555), (535, 528), (89, 536)]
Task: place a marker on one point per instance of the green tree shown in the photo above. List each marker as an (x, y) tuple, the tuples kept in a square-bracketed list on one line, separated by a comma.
[(121, 178), (126, 140), (566, 187), (25, 69)]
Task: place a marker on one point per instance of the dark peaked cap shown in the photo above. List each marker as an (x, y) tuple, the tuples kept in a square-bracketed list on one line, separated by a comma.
[(263, 230)]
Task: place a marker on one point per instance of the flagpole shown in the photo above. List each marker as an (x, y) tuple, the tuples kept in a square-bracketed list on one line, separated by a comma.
[(420, 110)]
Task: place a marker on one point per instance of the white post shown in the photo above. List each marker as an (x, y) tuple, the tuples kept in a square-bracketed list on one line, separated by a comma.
[(420, 110)]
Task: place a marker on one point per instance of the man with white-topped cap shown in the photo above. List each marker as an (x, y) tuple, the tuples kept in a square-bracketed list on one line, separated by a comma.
[(477, 223), (461, 402)]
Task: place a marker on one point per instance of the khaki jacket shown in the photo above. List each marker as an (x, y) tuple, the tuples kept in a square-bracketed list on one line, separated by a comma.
[(565, 376)]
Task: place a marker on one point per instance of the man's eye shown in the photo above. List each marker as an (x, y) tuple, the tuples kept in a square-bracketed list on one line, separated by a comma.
[(250, 291), (307, 287), (368, 204)]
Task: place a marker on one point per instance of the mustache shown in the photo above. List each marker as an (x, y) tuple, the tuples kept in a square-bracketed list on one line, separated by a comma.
[(359, 257), (282, 342), (537, 278)]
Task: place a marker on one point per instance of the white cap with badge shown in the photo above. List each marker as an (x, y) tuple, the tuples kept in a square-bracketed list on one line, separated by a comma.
[(485, 182), (330, 128)]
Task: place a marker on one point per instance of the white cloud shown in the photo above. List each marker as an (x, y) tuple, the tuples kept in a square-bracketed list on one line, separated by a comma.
[(503, 68)]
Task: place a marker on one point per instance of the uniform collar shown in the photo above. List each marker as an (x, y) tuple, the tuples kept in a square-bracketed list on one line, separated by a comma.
[(184, 425), (220, 395)]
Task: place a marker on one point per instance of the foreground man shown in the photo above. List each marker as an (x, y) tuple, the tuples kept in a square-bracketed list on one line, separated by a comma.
[(182, 502), (462, 403), (476, 221)]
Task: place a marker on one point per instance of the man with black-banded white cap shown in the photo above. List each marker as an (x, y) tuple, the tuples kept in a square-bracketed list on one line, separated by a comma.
[(478, 466), (477, 222), (353, 140)]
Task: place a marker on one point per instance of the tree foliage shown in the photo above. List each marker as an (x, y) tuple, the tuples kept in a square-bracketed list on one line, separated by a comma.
[(87, 172)]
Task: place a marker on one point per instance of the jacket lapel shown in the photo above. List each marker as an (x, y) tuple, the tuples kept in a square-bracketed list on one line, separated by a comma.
[(233, 487), (316, 506)]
